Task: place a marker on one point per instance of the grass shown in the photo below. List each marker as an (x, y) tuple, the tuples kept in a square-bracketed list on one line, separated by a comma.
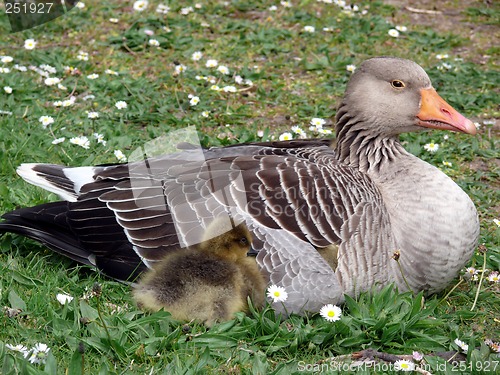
[(295, 77)]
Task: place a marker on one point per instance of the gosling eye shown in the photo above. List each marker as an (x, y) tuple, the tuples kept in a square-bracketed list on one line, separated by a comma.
[(243, 241), (397, 84)]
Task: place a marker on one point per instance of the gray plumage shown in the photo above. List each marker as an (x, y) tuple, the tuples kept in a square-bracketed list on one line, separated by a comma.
[(362, 199)]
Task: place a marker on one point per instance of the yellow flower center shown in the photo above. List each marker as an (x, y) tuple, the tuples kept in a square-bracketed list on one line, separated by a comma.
[(331, 313), (277, 293)]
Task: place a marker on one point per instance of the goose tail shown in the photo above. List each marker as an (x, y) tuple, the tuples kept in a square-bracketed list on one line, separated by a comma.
[(63, 181), (46, 224)]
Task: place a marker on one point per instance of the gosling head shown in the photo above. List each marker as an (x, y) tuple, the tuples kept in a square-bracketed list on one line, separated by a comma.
[(233, 244)]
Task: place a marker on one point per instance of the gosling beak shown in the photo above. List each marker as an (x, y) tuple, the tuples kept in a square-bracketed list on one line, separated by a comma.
[(435, 113), (252, 252)]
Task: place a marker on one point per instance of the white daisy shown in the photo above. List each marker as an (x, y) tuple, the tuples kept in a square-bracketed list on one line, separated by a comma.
[(30, 43), (350, 68), (431, 147), (194, 100), (140, 5), (196, 56), (7, 89), (223, 69), (277, 293), (229, 89), (52, 81), (309, 29), (286, 136), (317, 122), (17, 348), (93, 115), (211, 63), (393, 32), (462, 345), (162, 9), (120, 155), (93, 76), (39, 353), (81, 141), (46, 120), (64, 298), (121, 104), (6, 59), (404, 365), (154, 43), (330, 312), (58, 140)]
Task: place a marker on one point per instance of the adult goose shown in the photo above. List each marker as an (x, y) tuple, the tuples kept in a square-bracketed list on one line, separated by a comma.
[(326, 221)]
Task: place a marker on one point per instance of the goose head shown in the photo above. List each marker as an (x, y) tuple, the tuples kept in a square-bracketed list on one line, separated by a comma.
[(387, 96)]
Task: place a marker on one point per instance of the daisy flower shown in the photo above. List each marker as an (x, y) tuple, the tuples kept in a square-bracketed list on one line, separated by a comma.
[(299, 131), (215, 88), (447, 164), (80, 5), (223, 69), (441, 56), (111, 72), (6, 59), (113, 20), (7, 89), (140, 5), (93, 76), (277, 293), (317, 122), (462, 345), (52, 81), (401, 28), (196, 56), (120, 155), (260, 133), (229, 89), (494, 277), (417, 356), (68, 102), (162, 9), (154, 43), (81, 141), (205, 114), (194, 100), (404, 365), (4, 70), (179, 69), (30, 43), (149, 32), (471, 271), (185, 11), (39, 353), (93, 115), (431, 147), (83, 56), (393, 32), (121, 104), (46, 120), (286, 136), (286, 4), (350, 68), (211, 63), (64, 298), (330, 312), (58, 140), (309, 29), (100, 138), (497, 222), (17, 348)]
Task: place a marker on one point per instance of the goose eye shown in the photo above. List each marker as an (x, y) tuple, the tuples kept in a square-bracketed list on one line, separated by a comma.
[(398, 84), (243, 241)]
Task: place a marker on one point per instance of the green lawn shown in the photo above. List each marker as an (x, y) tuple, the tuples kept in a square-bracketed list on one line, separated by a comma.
[(278, 67)]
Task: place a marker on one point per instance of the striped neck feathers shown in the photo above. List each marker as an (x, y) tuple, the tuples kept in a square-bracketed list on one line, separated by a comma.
[(364, 147)]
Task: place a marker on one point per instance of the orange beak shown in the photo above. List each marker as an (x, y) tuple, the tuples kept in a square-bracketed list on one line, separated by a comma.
[(435, 113)]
